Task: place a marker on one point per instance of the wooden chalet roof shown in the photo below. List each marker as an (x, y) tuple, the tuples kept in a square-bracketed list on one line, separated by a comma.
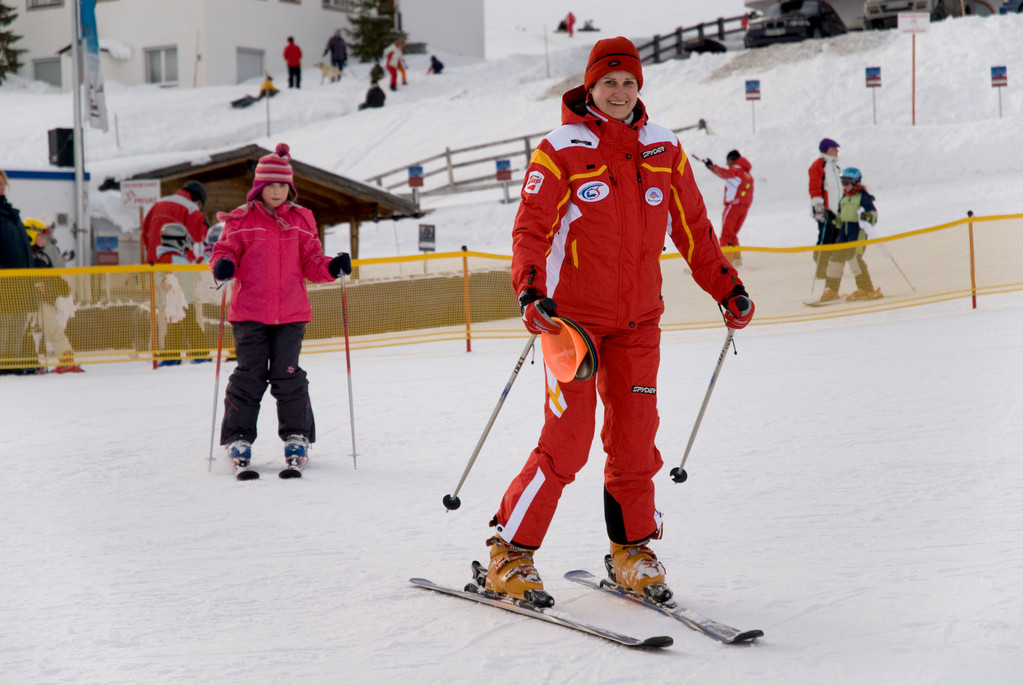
[(227, 177)]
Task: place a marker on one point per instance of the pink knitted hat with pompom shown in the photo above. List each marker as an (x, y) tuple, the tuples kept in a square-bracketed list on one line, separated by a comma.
[(274, 168)]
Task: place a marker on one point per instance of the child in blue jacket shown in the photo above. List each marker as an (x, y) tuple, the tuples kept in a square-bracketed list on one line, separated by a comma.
[(855, 199)]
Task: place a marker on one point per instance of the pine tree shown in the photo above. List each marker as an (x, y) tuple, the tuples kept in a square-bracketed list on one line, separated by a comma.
[(10, 57), (373, 29)]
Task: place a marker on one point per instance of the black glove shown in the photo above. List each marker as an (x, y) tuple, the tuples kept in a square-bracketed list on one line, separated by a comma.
[(537, 311), (738, 308), (223, 270), (708, 163), (341, 264)]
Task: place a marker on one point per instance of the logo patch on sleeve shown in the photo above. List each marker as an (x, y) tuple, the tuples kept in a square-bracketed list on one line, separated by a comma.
[(593, 191), (533, 182), (644, 390)]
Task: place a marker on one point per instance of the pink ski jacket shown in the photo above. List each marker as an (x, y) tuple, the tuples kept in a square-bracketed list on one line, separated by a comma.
[(273, 256), (598, 199)]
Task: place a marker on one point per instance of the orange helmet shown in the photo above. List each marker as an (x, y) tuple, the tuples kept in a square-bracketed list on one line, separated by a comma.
[(569, 353)]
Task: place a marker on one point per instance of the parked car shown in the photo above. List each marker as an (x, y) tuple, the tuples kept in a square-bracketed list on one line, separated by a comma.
[(1011, 7), (792, 21), (884, 14)]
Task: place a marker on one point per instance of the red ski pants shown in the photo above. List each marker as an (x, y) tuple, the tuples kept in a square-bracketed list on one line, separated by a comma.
[(731, 221), (626, 378)]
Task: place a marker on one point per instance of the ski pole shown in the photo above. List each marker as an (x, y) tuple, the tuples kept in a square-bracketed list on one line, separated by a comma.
[(679, 474), (216, 380), (884, 249), (451, 502), (896, 265), (348, 362)]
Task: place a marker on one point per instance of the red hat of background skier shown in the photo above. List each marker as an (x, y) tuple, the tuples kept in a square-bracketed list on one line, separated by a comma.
[(274, 168), (613, 54)]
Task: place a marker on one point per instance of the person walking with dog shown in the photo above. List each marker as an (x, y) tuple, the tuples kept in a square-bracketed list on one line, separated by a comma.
[(585, 245), (293, 58), (270, 245), (337, 50)]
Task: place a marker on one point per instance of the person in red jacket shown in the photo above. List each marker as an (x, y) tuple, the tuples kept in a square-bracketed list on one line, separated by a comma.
[(738, 198), (600, 194), (270, 246), (825, 186), (183, 207), (293, 58)]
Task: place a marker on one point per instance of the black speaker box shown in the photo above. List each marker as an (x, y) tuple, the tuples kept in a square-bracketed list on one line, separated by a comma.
[(62, 146)]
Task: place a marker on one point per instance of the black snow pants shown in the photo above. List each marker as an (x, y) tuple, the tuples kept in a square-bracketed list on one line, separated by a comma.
[(267, 354)]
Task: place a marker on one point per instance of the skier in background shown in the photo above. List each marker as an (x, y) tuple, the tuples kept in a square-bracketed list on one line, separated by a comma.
[(825, 191), (17, 296), (54, 296), (738, 198), (183, 207), (180, 298), (587, 246), (271, 246), (856, 204)]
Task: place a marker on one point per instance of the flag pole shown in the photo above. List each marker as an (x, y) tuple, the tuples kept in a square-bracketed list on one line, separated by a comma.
[(81, 233)]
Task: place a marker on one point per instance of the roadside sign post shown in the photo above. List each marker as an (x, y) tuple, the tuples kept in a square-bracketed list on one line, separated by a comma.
[(415, 182), (753, 94), (999, 80), (874, 82), (914, 23), (427, 240), (504, 175)]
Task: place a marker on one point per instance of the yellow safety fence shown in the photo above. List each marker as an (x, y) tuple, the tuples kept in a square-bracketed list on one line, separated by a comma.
[(152, 313)]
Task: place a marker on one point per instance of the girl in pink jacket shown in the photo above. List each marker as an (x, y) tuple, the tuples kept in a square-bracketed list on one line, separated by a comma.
[(270, 247)]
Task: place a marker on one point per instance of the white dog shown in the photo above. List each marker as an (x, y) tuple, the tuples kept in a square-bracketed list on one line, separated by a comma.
[(328, 71)]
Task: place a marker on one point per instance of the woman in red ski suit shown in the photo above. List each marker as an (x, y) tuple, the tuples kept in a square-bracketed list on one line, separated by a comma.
[(600, 194)]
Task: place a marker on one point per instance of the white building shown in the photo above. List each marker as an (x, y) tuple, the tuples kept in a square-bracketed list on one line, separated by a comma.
[(189, 43)]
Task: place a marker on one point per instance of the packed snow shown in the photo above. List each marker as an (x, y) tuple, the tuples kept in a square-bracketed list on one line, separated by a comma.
[(854, 489)]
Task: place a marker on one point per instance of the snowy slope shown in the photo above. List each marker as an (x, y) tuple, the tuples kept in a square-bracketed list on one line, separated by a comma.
[(960, 155), (854, 490), (864, 516)]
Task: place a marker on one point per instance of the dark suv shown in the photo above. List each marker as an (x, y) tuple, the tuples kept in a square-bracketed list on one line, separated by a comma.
[(792, 21)]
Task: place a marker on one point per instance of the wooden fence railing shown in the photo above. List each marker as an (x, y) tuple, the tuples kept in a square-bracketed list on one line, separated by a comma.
[(465, 169), (683, 40)]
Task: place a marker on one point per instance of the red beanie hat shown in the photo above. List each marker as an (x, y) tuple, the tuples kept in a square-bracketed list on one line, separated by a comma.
[(273, 168), (613, 54)]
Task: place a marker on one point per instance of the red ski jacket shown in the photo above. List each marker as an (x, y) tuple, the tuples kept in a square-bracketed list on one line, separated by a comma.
[(825, 182), (273, 256), (293, 55), (738, 182), (598, 198), (176, 208)]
